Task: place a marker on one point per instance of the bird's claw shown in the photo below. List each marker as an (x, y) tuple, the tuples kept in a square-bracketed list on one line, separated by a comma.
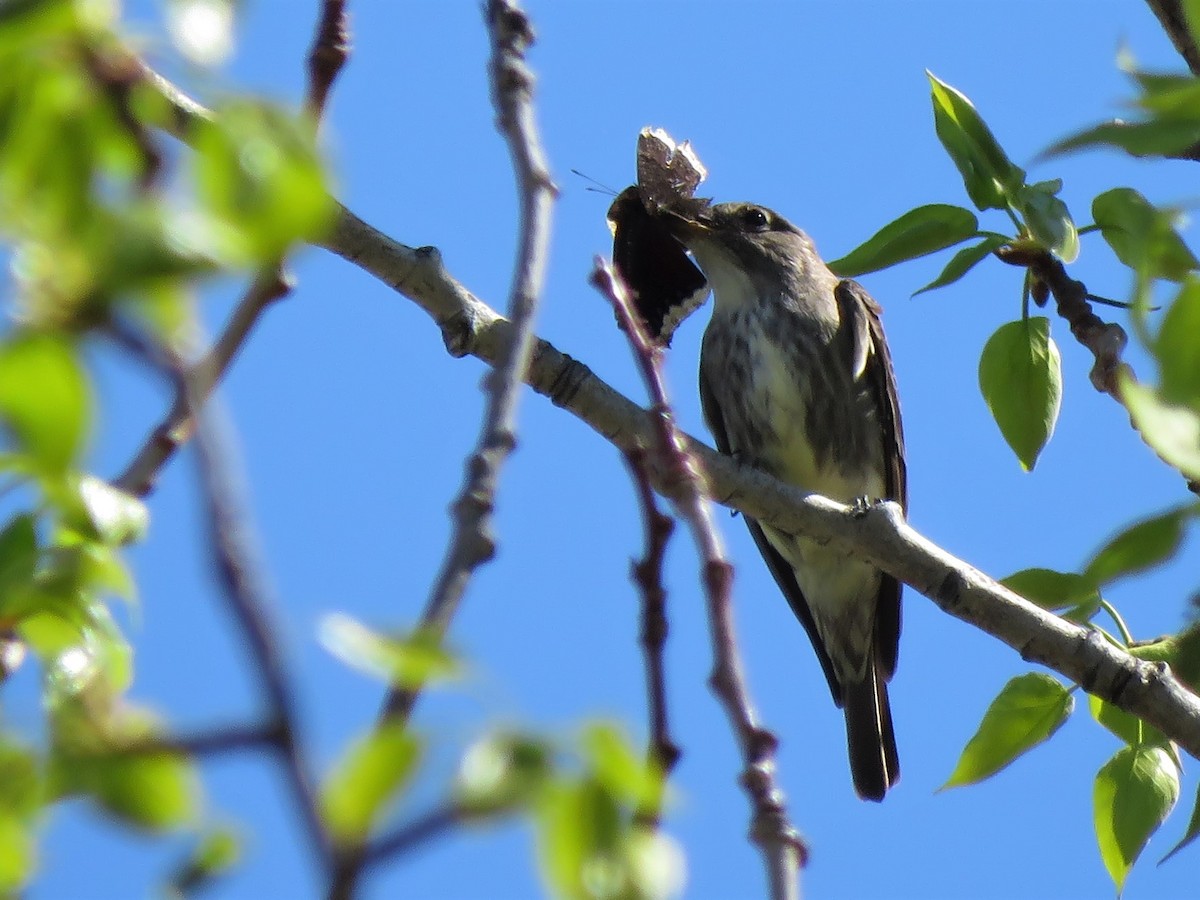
[(860, 506)]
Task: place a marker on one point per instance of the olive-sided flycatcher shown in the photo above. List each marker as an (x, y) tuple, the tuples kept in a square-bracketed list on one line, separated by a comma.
[(796, 380)]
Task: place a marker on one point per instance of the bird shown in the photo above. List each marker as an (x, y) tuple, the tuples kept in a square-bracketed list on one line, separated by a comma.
[(796, 379)]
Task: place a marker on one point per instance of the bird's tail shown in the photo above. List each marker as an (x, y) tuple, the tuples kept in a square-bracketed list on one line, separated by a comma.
[(873, 760)]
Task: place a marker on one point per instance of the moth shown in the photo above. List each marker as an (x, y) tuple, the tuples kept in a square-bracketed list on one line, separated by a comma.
[(667, 286)]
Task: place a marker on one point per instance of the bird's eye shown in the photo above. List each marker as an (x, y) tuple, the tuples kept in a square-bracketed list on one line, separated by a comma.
[(755, 219)]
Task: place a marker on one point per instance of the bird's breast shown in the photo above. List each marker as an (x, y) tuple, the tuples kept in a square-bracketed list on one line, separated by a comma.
[(789, 406)]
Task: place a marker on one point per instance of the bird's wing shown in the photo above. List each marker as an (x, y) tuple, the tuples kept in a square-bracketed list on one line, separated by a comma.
[(780, 569), (854, 301)]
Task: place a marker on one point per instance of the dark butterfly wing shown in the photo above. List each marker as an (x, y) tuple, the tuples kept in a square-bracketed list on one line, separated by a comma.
[(667, 287)]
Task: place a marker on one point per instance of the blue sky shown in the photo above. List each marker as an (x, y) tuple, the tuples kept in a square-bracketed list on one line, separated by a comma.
[(353, 423)]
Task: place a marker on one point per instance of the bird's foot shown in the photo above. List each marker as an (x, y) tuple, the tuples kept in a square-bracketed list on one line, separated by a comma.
[(860, 506)]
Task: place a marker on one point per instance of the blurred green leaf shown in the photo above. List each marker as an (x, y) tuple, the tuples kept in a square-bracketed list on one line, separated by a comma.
[(658, 867), (1139, 547), (408, 662), (1177, 349), (154, 791), (1050, 589), (112, 515), (44, 398), (917, 233), (1190, 834), (965, 260), (18, 556), (1026, 712), (20, 781), (1185, 658), (260, 177), (367, 779), (1142, 236), (215, 854), (989, 175), (580, 834), (1048, 219), (92, 657), (1153, 138), (1134, 792), (620, 769), (18, 853), (1020, 375), (1128, 727), (503, 771), (1172, 431)]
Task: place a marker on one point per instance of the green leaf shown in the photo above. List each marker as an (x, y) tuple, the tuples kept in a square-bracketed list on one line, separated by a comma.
[(1141, 235), (258, 171), (1139, 547), (502, 771), (1177, 349), (965, 260), (1050, 589), (1020, 375), (44, 398), (580, 834), (1048, 219), (1153, 138), (1192, 832), (216, 853), (917, 233), (154, 791), (989, 175), (20, 782), (18, 853), (367, 779), (1026, 712), (1128, 727), (624, 772), (1134, 792), (112, 515), (408, 662), (18, 556), (1172, 431)]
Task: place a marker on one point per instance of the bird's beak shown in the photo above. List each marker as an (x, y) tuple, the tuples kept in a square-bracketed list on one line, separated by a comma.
[(687, 218)]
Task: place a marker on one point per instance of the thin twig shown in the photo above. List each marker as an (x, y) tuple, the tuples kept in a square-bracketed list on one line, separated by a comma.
[(175, 430), (330, 50), (784, 851), (473, 542), (219, 739), (406, 837), (246, 595), (647, 574)]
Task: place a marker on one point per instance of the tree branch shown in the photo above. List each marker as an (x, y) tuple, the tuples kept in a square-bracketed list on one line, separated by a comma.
[(1170, 16), (469, 326), (472, 542)]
